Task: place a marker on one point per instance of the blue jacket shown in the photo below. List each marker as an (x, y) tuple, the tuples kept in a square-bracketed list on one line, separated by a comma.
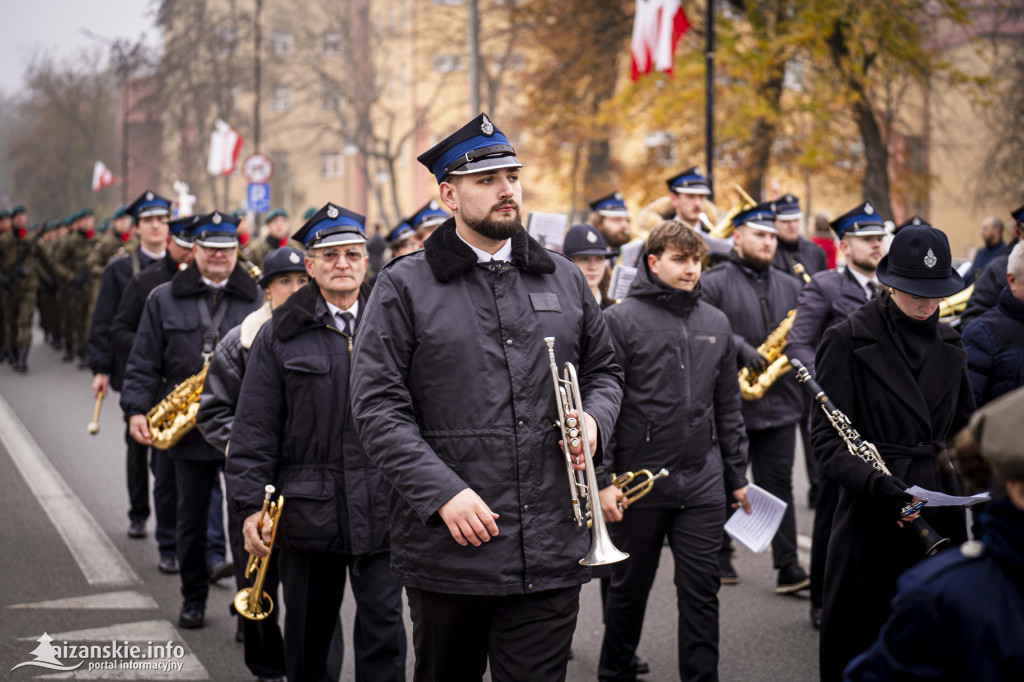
[(995, 349), (829, 298), (959, 615)]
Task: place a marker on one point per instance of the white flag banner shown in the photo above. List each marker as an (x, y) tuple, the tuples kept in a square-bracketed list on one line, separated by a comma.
[(225, 143), (101, 176)]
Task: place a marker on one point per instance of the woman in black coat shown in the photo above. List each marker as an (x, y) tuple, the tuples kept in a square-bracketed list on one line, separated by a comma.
[(901, 378)]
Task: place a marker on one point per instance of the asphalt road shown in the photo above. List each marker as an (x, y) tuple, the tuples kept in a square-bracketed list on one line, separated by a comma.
[(111, 590)]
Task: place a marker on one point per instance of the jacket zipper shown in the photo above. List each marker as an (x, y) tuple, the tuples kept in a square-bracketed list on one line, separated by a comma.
[(347, 336)]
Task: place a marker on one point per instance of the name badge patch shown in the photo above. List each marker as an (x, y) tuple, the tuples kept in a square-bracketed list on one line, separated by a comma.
[(544, 302)]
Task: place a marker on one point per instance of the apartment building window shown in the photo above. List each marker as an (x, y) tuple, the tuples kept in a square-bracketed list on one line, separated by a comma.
[(333, 166), (281, 98), (332, 43), (281, 43), (447, 63), (227, 41), (661, 148)]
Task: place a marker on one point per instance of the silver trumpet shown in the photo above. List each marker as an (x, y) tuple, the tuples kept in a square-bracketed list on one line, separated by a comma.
[(574, 434)]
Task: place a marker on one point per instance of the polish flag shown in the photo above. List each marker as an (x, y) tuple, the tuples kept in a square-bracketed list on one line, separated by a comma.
[(101, 176), (225, 143), (657, 28)]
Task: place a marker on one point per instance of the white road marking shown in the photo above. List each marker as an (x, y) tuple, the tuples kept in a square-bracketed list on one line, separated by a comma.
[(803, 542), (96, 555), (128, 599), (139, 634)]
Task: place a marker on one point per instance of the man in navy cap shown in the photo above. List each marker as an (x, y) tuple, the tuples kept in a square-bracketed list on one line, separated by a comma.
[(403, 239), (756, 297), (826, 300), (294, 429), (427, 219), (992, 279), (793, 248), (181, 324), (452, 396), (689, 192)]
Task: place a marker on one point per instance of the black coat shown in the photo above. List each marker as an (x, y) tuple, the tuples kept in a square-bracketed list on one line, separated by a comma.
[(995, 349), (860, 367), (829, 298), (680, 403), (294, 429), (987, 286), (452, 390), (744, 296), (169, 343), (805, 252), (102, 356), (133, 302)]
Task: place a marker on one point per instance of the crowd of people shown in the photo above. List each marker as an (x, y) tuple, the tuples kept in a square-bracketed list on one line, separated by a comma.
[(396, 392)]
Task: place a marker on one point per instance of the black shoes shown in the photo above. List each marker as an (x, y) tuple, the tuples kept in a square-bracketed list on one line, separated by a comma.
[(816, 617), (220, 569), (168, 564), (191, 617), (792, 579), (642, 666), (239, 629), (19, 359), (137, 529), (727, 572)]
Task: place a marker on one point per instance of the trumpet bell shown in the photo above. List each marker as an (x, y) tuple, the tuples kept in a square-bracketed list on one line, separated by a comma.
[(249, 608)]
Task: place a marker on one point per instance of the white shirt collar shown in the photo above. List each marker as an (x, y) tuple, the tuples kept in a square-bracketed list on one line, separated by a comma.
[(504, 253), (864, 281), (154, 256), (335, 310), (213, 285)]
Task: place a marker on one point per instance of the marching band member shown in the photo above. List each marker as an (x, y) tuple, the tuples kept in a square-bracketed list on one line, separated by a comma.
[(294, 429), (452, 397), (901, 378), (793, 248), (684, 416)]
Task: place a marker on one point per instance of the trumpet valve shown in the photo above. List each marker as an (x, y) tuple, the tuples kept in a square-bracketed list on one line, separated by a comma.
[(571, 423), (574, 442)]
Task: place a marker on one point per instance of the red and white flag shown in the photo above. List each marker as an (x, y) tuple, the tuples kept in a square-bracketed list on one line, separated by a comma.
[(657, 28), (101, 176), (225, 143)]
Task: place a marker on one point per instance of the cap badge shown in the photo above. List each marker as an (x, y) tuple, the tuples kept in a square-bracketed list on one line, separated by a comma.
[(930, 260), (332, 212), (916, 221), (149, 196), (868, 208), (293, 257), (487, 128), (618, 195), (591, 237), (434, 206), (216, 219)]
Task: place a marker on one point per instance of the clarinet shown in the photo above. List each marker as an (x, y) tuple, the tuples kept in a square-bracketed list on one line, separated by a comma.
[(858, 447)]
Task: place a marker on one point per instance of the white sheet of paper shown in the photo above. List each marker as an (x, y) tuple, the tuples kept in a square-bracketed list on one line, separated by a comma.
[(756, 530), (629, 254), (548, 229), (943, 500), (622, 277)]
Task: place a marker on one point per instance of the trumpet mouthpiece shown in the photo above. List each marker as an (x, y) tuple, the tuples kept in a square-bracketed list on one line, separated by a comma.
[(550, 341), (269, 489)]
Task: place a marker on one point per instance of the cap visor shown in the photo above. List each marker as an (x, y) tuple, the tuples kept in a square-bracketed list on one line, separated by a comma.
[(692, 190), (762, 227), (153, 210), (218, 241), (182, 241), (614, 212), (339, 239), (486, 164), (788, 216), (592, 252)]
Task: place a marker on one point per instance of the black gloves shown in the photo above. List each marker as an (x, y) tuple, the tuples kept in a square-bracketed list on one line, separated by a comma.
[(889, 490), (748, 357)]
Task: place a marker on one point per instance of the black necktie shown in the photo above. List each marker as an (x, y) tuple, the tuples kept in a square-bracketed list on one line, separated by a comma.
[(346, 321)]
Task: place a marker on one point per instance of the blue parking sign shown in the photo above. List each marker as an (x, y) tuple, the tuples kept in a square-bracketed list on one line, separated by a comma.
[(257, 196)]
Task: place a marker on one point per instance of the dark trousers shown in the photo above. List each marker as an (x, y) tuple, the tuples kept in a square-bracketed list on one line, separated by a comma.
[(694, 536), (526, 637), (771, 461), (137, 469), (314, 583), (814, 474), (196, 481), (165, 504), (824, 512), (264, 646)]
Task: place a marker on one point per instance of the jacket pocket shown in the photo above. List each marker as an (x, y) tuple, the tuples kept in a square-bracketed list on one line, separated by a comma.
[(309, 517)]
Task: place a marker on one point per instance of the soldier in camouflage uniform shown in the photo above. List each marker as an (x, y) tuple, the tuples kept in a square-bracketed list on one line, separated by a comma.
[(78, 294), (22, 268), (5, 242), (276, 231)]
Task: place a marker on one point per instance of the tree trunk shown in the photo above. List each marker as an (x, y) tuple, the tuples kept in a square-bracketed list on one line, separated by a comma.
[(875, 185)]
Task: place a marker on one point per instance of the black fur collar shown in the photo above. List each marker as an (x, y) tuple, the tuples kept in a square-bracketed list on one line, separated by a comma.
[(188, 283), (449, 257), (305, 310)]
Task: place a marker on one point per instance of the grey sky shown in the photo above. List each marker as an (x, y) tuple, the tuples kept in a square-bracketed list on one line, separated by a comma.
[(31, 26)]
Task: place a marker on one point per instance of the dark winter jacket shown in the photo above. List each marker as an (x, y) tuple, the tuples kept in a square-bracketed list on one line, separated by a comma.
[(755, 304), (169, 343), (294, 429), (219, 401), (995, 349), (829, 298), (133, 302), (805, 252), (103, 358), (908, 418), (987, 286), (680, 403), (452, 389)]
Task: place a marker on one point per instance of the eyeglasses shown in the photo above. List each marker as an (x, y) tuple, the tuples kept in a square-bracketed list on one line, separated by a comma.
[(331, 256)]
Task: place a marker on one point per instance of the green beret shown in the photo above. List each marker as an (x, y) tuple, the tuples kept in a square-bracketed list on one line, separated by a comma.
[(277, 213)]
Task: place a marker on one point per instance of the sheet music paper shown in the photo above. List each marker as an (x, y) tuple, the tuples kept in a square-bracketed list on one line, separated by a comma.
[(548, 229), (622, 277), (943, 500), (756, 530), (629, 254)]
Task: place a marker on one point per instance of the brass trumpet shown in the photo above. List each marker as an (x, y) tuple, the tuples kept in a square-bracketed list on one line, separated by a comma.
[(250, 601), (633, 493), (574, 434)]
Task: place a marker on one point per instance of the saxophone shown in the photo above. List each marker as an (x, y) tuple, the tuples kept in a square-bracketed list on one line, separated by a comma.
[(753, 387)]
